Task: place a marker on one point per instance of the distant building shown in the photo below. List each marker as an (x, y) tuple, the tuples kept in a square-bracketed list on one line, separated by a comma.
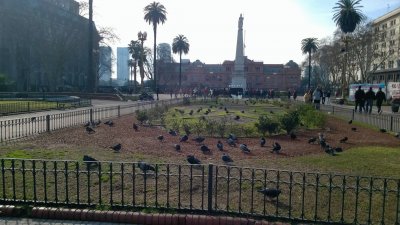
[(122, 63), (105, 65), (164, 52), (44, 45), (388, 26)]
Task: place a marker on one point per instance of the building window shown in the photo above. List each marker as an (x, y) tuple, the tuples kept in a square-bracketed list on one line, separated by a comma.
[(391, 51), (258, 69), (376, 46), (246, 69), (392, 32), (376, 29), (390, 64), (375, 66), (383, 45), (392, 42), (384, 26), (383, 66), (228, 69), (383, 54)]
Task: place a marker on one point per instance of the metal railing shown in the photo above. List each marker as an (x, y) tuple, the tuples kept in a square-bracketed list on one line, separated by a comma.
[(305, 196), (33, 106), (24, 127), (389, 122)]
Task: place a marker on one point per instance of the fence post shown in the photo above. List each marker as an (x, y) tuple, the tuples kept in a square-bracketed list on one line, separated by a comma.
[(333, 110), (91, 115), (210, 186), (391, 123), (48, 123), (119, 110), (352, 117)]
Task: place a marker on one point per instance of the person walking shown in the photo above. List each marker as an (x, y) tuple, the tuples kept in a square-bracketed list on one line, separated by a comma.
[(328, 97), (359, 97), (317, 95), (380, 97), (294, 95), (369, 100), (288, 94)]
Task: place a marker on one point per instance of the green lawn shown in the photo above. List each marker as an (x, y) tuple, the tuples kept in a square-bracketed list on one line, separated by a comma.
[(7, 107)]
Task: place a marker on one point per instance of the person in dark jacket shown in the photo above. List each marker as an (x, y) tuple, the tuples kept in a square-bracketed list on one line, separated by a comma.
[(369, 100), (359, 97), (380, 96)]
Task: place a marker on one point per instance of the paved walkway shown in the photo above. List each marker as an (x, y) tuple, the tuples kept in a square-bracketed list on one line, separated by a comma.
[(28, 221)]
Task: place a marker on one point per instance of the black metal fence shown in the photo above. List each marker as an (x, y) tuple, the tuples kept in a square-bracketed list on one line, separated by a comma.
[(389, 122), (27, 106), (317, 197), (29, 126)]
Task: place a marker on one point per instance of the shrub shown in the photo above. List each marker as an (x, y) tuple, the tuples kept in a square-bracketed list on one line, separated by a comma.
[(186, 127), (141, 116), (310, 117), (211, 127), (198, 126), (290, 120), (221, 127), (266, 124)]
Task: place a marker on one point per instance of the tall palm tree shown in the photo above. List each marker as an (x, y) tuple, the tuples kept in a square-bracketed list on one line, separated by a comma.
[(154, 13), (347, 16), (132, 63), (136, 51), (309, 45), (180, 45), (90, 76)]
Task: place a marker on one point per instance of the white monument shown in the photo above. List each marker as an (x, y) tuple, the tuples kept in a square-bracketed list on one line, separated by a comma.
[(238, 84)]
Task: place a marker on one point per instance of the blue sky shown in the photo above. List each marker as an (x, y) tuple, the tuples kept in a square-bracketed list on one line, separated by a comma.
[(273, 29)]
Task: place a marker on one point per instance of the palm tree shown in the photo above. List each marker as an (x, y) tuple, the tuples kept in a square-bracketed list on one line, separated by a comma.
[(347, 16), (132, 63), (155, 13), (180, 45), (309, 45), (136, 51)]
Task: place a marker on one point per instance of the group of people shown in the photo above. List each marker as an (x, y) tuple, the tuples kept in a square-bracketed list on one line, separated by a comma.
[(364, 101), (317, 97)]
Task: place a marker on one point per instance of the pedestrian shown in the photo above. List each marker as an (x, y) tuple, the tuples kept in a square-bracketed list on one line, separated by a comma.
[(380, 96), (317, 95), (369, 100), (288, 94), (328, 97), (323, 97), (359, 97), (294, 95), (307, 96)]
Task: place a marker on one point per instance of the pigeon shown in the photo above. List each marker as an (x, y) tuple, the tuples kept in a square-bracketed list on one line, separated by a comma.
[(353, 128), (231, 142), (276, 147), (272, 112), (350, 122), (135, 127), (184, 138), (382, 130), (177, 147), (108, 122), (237, 117), (97, 123), (160, 137), (270, 192), (329, 150), (90, 161), (233, 137), (191, 112), (242, 111), (90, 130), (86, 124), (312, 140), (262, 141), (172, 132), (321, 137), (199, 139), (146, 167), (397, 135), (33, 119), (293, 136), (343, 140), (187, 130), (220, 146), (338, 149), (323, 144), (204, 148), (226, 158), (193, 160), (244, 148), (116, 147)]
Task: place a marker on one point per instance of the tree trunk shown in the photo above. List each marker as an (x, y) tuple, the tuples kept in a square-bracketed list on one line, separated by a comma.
[(155, 59), (180, 71), (309, 70)]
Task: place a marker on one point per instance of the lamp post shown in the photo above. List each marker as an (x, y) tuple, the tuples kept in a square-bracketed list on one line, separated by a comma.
[(142, 36)]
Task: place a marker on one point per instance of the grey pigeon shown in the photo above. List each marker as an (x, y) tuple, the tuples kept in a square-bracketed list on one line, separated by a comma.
[(184, 138), (172, 132), (292, 136), (276, 147), (204, 148), (226, 158), (312, 140), (244, 148), (177, 147), (135, 127), (270, 192), (382, 130), (199, 139), (231, 142), (116, 147), (220, 146), (343, 140), (160, 137), (354, 129), (146, 167), (233, 137), (90, 130), (90, 161), (350, 122), (262, 142), (85, 125), (192, 160)]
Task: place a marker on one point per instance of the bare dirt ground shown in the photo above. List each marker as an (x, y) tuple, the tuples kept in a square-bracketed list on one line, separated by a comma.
[(144, 145)]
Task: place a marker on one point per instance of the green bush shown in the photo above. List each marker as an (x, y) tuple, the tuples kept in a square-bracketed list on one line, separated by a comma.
[(310, 117), (199, 126), (211, 127), (266, 124), (221, 127), (141, 116), (290, 120)]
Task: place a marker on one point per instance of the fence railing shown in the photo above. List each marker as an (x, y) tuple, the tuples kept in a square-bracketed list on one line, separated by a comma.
[(382, 121), (33, 106), (317, 197), (29, 126)]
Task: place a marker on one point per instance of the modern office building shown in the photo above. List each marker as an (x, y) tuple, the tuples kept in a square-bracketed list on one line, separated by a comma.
[(388, 27), (122, 64), (105, 64), (44, 45)]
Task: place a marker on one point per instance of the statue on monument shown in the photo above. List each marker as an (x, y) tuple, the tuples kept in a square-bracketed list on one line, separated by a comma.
[(240, 21)]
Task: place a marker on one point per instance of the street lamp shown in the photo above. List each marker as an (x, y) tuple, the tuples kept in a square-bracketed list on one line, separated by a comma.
[(142, 36)]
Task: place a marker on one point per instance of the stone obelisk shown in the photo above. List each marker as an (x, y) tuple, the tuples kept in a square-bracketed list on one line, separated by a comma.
[(239, 76)]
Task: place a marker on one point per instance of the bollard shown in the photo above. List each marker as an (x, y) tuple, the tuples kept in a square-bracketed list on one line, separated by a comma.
[(119, 111), (91, 115), (48, 123)]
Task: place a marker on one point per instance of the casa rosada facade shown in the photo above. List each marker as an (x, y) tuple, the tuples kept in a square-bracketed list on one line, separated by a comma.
[(259, 76)]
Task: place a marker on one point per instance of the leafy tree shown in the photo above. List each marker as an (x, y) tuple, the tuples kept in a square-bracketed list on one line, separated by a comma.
[(135, 49), (141, 116), (155, 13), (309, 45), (180, 45), (266, 124), (290, 121)]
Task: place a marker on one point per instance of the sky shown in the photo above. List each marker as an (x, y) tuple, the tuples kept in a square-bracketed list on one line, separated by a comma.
[(273, 30)]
